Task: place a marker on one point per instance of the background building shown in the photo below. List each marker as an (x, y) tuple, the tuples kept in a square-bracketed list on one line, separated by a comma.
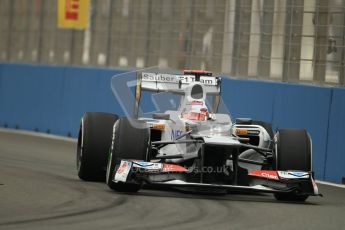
[(287, 40)]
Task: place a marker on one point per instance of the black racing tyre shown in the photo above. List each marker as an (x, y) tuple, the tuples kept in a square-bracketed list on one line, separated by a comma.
[(292, 152), (131, 140), (94, 141), (266, 126)]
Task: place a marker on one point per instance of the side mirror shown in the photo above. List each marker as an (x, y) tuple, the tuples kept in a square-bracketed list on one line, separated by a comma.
[(161, 116), (244, 121)]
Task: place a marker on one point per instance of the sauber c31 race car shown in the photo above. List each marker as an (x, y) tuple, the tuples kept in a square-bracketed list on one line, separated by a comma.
[(194, 148)]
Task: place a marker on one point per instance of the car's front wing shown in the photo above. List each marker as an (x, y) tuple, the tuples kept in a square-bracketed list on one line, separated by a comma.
[(176, 176)]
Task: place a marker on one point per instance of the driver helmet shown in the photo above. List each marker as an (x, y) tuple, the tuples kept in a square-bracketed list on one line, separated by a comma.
[(196, 111)]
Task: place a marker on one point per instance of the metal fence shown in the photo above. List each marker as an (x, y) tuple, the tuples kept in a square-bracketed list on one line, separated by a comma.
[(287, 40)]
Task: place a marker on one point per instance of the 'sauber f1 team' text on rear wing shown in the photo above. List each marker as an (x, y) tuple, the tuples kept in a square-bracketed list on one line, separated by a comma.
[(177, 84), (158, 82)]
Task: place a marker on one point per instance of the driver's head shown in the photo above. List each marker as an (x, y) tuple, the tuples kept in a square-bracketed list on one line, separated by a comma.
[(196, 111)]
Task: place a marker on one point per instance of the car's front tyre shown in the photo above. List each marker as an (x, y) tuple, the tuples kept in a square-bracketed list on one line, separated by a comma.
[(292, 152), (131, 141)]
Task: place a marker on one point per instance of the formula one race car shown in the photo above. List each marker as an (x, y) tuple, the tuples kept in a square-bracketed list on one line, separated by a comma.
[(194, 148)]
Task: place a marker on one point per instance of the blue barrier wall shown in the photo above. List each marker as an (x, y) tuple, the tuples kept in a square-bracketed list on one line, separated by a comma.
[(54, 98), (335, 158)]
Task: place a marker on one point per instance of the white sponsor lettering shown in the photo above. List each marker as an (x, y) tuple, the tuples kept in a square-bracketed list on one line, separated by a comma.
[(123, 171), (184, 79), (147, 165), (293, 174), (269, 176)]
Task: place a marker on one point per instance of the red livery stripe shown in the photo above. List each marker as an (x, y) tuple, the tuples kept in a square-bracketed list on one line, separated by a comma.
[(173, 168), (269, 174)]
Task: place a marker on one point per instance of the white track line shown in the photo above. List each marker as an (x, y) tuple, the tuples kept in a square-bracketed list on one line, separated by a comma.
[(330, 184), (74, 140), (37, 134)]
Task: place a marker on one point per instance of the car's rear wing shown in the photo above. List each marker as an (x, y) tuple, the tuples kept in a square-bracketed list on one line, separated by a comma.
[(174, 83), (159, 82)]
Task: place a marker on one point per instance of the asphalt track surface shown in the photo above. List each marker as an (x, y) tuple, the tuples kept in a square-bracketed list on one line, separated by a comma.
[(40, 190)]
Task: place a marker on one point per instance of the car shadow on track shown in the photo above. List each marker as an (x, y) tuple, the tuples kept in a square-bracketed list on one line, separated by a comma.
[(232, 196), (164, 192)]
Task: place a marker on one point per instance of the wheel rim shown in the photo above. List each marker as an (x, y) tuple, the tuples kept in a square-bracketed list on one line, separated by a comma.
[(78, 158), (80, 145), (110, 158), (109, 166)]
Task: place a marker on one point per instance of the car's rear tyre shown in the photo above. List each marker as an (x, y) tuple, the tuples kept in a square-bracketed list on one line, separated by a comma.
[(292, 152), (130, 140), (94, 141)]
